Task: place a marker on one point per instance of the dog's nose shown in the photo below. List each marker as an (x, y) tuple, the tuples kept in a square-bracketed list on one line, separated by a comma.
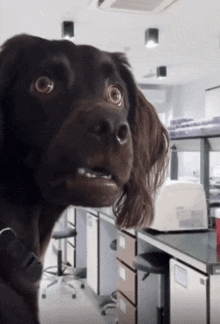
[(116, 128)]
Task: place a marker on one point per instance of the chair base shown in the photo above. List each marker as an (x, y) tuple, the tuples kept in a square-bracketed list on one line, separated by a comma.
[(109, 304), (58, 281), (60, 278)]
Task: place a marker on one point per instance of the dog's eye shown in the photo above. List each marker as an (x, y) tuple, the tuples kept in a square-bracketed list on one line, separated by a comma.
[(115, 95), (44, 84)]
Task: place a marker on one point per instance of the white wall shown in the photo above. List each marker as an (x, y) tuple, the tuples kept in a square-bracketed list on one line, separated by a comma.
[(164, 108), (189, 100), (186, 100)]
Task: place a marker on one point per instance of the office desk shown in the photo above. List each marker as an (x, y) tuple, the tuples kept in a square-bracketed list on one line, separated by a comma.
[(197, 250)]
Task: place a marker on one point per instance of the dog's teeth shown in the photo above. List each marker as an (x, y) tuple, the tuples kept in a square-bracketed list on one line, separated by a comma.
[(90, 175), (86, 173), (81, 171), (108, 177)]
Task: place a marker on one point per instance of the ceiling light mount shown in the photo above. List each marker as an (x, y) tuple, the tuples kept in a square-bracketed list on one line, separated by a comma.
[(67, 29), (151, 37), (161, 72)]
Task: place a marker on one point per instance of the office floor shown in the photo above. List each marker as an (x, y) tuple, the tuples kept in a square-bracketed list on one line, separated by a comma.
[(60, 308)]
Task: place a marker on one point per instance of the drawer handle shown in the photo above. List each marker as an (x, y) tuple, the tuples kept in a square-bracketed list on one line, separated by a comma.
[(122, 306), (122, 273), (122, 242)]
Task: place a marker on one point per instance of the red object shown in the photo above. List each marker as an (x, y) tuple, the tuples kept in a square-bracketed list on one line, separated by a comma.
[(218, 235), (218, 230)]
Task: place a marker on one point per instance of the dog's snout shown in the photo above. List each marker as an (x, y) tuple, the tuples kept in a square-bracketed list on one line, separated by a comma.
[(113, 127)]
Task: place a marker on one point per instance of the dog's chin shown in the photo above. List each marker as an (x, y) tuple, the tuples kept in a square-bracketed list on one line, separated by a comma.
[(82, 190)]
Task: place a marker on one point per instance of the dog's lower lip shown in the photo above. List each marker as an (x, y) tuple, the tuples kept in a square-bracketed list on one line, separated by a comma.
[(97, 184)]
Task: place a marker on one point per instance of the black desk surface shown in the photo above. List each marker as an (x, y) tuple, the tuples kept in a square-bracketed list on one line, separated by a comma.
[(198, 246)]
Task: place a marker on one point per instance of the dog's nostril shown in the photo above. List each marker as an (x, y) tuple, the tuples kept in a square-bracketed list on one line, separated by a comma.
[(122, 133)]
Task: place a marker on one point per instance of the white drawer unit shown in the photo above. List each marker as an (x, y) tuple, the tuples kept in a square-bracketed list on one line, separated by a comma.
[(92, 252), (188, 295)]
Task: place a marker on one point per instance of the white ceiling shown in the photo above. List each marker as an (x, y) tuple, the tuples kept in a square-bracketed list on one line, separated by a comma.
[(189, 33)]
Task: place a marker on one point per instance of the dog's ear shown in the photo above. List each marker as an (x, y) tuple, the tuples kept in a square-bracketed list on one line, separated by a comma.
[(135, 207), (8, 54), (4, 77)]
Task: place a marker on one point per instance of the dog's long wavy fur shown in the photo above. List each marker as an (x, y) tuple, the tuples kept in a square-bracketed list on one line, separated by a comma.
[(135, 207), (148, 142)]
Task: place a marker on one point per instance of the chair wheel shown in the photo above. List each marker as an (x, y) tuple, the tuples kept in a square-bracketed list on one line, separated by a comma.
[(73, 296), (82, 286), (43, 296), (103, 312)]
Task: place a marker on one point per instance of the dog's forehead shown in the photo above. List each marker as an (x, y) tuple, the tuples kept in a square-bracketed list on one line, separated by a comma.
[(86, 60), (73, 56), (94, 57), (93, 53)]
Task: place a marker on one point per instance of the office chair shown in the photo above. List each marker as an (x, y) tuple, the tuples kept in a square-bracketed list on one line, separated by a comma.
[(113, 302), (157, 263), (60, 274)]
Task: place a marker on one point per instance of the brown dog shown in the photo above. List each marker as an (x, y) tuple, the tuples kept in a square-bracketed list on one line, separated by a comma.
[(75, 130)]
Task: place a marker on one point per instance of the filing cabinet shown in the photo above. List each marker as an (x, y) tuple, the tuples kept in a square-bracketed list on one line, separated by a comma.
[(71, 241), (101, 259), (127, 278), (93, 252), (75, 247)]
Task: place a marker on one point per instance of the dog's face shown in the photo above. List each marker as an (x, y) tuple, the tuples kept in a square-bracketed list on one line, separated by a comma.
[(75, 117)]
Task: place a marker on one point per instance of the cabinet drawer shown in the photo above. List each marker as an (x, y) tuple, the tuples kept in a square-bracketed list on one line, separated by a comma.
[(127, 282), (127, 247), (126, 312)]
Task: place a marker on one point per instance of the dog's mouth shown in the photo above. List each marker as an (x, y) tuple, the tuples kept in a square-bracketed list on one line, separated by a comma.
[(95, 173), (85, 175), (95, 186), (82, 173), (97, 178)]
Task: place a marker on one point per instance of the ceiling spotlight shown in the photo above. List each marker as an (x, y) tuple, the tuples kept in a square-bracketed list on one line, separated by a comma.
[(161, 72), (151, 37), (67, 29)]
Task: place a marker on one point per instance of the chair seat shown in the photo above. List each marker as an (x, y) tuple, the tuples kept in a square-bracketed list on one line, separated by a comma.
[(152, 262), (64, 233), (113, 245)]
